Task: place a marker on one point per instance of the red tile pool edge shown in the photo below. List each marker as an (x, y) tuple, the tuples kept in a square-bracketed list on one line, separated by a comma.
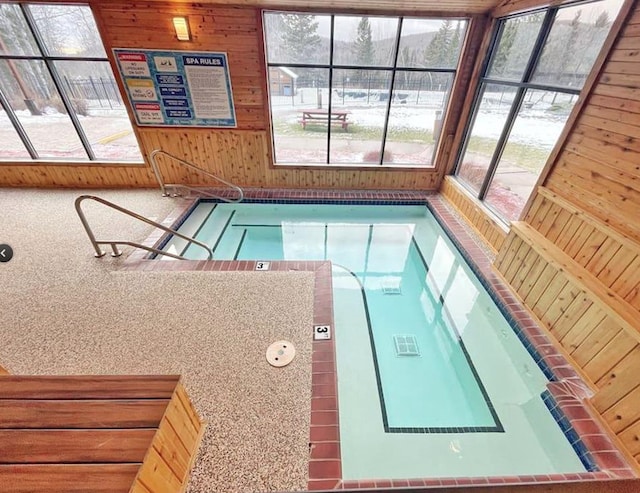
[(324, 435)]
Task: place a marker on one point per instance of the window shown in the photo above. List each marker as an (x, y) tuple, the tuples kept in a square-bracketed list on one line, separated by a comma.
[(357, 90), (535, 71), (58, 95)]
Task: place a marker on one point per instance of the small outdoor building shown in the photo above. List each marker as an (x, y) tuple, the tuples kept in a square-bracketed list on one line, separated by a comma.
[(282, 81)]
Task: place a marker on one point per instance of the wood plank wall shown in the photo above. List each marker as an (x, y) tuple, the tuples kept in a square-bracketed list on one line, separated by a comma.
[(243, 154), (485, 225), (173, 450), (575, 259)]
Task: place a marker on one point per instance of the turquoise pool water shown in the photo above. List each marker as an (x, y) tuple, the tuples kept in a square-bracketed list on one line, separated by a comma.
[(432, 381)]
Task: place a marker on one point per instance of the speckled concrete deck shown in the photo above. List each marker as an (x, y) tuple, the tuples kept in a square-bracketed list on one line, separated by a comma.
[(63, 311)]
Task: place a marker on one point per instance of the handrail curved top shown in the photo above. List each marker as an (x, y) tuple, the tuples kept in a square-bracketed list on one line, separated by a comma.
[(114, 243), (163, 185)]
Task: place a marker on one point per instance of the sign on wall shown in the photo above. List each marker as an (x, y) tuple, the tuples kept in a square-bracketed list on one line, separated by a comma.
[(177, 88)]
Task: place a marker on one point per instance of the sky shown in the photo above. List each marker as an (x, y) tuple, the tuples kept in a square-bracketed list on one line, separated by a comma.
[(385, 27), (381, 27)]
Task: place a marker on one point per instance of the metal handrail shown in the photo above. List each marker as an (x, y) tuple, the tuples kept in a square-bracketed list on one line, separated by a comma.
[(114, 243), (163, 185)]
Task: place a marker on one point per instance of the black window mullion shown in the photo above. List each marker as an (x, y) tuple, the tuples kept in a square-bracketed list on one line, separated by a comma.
[(495, 37), (517, 102), (340, 66), (506, 131), (4, 103), (54, 58), (330, 90), (393, 81), (531, 85), (477, 98), (57, 82), (536, 53)]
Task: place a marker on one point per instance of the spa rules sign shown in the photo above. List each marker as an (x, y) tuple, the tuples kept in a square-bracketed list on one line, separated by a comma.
[(177, 88)]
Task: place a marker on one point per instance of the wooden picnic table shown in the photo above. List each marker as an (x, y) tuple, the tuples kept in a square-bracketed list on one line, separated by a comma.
[(319, 116)]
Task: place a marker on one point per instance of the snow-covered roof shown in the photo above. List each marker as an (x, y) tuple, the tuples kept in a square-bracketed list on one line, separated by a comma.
[(289, 72)]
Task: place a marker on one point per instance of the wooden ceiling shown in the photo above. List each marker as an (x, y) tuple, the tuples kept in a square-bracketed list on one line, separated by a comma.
[(454, 6), (407, 7)]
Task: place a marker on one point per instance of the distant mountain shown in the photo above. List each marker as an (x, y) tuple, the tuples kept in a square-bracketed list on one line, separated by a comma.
[(343, 50)]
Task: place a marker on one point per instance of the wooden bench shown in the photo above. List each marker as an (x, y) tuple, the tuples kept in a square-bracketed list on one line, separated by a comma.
[(90, 434), (320, 117)]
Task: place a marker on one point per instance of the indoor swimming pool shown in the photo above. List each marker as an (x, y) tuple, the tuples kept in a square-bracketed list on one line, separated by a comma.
[(432, 379)]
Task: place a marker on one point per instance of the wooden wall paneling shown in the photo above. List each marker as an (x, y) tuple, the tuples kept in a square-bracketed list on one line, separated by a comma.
[(609, 256), (518, 259), (631, 437), (596, 341), (627, 281), (624, 14), (615, 306), (614, 255), (533, 266), (625, 412), (603, 362), (556, 297), (488, 227), (533, 288), (617, 383), (579, 328), (579, 303)]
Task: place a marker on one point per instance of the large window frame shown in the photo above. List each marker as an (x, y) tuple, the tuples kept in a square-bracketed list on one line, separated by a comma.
[(525, 83), (393, 70), (49, 60)]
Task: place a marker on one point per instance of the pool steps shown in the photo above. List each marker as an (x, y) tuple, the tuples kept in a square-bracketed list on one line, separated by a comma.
[(190, 227)]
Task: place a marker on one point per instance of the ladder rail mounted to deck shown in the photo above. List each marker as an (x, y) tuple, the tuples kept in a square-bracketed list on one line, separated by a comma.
[(175, 186), (114, 243)]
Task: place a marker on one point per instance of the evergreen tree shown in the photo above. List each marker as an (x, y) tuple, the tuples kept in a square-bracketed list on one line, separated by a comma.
[(602, 20), (453, 47), (570, 47), (435, 54), (502, 54), (300, 37), (363, 46)]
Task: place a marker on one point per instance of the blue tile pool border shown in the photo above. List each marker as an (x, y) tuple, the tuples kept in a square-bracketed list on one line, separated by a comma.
[(569, 432)]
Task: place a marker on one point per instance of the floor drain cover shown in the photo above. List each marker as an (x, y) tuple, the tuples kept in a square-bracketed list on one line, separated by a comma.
[(281, 353)]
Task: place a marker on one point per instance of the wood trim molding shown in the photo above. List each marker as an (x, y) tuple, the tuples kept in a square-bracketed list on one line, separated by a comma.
[(457, 99), (479, 56)]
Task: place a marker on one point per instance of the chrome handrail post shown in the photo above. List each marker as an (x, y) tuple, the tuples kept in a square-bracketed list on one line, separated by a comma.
[(156, 171), (87, 228), (116, 252), (114, 243)]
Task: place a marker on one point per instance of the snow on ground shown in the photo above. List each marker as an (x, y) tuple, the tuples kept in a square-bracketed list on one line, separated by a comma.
[(537, 126)]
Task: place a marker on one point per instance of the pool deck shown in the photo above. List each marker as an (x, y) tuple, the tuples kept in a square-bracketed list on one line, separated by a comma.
[(566, 397)]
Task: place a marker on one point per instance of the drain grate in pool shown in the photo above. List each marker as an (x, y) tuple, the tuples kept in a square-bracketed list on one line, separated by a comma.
[(406, 345), (391, 285)]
